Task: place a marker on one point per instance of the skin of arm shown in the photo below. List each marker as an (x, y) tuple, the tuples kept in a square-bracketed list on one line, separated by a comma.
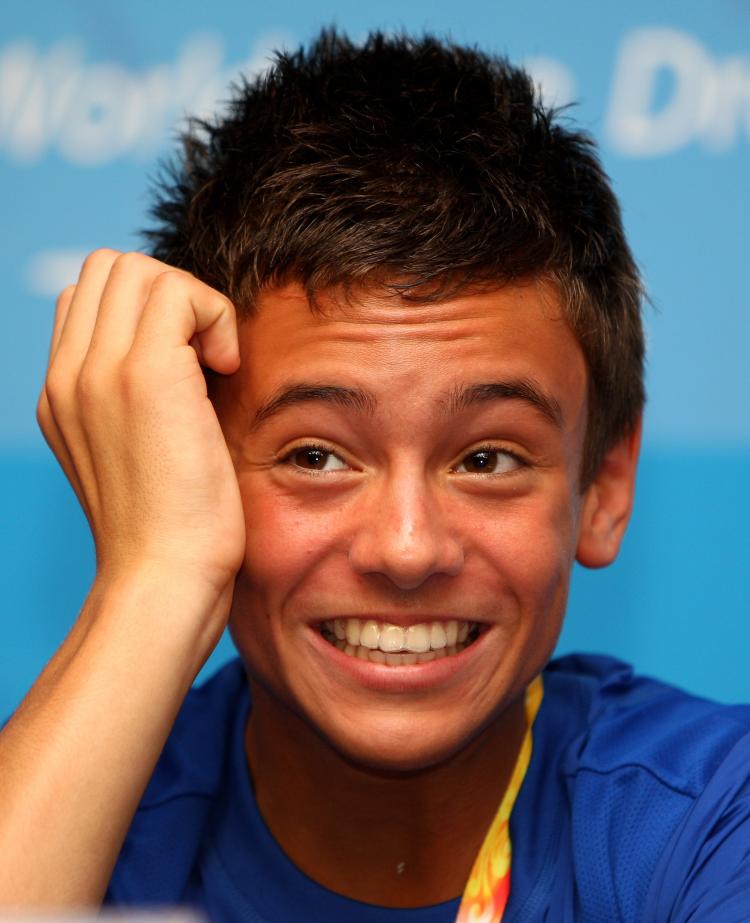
[(124, 408)]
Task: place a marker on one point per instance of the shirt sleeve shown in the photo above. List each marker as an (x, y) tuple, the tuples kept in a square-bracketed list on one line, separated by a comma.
[(704, 873)]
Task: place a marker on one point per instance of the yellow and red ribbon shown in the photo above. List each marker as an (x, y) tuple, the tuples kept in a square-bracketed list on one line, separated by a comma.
[(486, 893)]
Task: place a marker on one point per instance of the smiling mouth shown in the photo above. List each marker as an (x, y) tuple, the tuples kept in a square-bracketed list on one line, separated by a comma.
[(394, 645)]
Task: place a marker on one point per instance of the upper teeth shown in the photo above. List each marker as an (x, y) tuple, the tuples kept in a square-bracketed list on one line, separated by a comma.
[(393, 638)]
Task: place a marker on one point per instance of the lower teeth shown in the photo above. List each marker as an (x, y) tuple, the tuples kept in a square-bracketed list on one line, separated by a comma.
[(403, 658)]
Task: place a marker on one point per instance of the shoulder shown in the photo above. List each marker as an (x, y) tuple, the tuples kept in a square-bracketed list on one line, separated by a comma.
[(650, 772), (626, 721), (167, 830)]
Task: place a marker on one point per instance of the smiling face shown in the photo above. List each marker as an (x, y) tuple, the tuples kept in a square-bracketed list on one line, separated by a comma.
[(410, 480)]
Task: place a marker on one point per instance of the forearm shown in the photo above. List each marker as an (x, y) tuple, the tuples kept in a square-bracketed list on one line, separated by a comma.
[(125, 408), (76, 757)]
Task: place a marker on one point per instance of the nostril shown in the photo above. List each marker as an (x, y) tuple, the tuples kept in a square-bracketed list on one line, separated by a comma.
[(405, 569), (404, 535)]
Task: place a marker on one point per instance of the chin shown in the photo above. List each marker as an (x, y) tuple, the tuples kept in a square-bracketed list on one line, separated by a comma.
[(402, 745)]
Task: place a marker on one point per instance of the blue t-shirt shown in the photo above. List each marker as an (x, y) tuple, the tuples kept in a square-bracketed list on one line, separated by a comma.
[(635, 808)]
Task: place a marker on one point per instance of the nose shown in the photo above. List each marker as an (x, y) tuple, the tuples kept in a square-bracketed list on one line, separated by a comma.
[(404, 535)]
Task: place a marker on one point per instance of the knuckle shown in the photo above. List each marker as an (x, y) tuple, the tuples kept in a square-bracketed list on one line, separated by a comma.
[(223, 303), (93, 393), (89, 388), (97, 258), (55, 384), (171, 284), (55, 402), (85, 391), (65, 296), (131, 262), (169, 280), (43, 411)]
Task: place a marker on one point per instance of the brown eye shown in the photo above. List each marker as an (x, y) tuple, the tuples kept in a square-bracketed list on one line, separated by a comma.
[(313, 458), (480, 462), (488, 461)]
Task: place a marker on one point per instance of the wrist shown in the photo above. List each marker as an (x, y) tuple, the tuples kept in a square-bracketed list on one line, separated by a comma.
[(175, 610)]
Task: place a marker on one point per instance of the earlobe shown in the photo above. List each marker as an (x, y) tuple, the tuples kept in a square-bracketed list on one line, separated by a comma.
[(608, 502)]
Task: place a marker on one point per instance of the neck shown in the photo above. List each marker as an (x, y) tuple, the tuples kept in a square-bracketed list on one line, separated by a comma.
[(397, 839)]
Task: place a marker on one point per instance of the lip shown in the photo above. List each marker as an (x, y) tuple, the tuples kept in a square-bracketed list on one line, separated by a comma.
[(399, 679)]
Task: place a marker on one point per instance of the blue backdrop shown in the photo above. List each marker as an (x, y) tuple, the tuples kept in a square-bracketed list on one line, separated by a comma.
[(91, 93)]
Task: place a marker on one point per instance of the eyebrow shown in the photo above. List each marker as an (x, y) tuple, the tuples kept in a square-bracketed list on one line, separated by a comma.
[(459, 399), (523, 389), (302, 392)]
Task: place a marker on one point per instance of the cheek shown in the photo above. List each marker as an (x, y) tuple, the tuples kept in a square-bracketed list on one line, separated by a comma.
[(276, 555), (530, 548), (285, 542)]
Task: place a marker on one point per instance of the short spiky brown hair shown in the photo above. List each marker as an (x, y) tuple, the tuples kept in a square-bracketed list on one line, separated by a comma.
[(422, 167)]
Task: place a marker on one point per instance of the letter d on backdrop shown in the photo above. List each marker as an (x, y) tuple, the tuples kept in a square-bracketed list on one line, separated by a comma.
[(635, 125)]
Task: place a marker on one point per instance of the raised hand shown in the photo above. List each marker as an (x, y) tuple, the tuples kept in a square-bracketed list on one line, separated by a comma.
[(125, 409)]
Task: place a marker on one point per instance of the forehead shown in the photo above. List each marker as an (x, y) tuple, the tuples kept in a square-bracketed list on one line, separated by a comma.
[(387, 344)]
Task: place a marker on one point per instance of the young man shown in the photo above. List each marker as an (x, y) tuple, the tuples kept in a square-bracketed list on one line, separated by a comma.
[(380, 477)]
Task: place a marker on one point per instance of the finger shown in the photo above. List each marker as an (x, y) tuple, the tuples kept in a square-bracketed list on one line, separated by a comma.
[(44, 415), (53, 436), (122, 301), (179, 309), (62, 306), (195, 342), (58, 410), (80, 318)]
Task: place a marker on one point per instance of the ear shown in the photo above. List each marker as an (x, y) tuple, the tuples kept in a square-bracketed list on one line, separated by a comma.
[(608, 502)]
